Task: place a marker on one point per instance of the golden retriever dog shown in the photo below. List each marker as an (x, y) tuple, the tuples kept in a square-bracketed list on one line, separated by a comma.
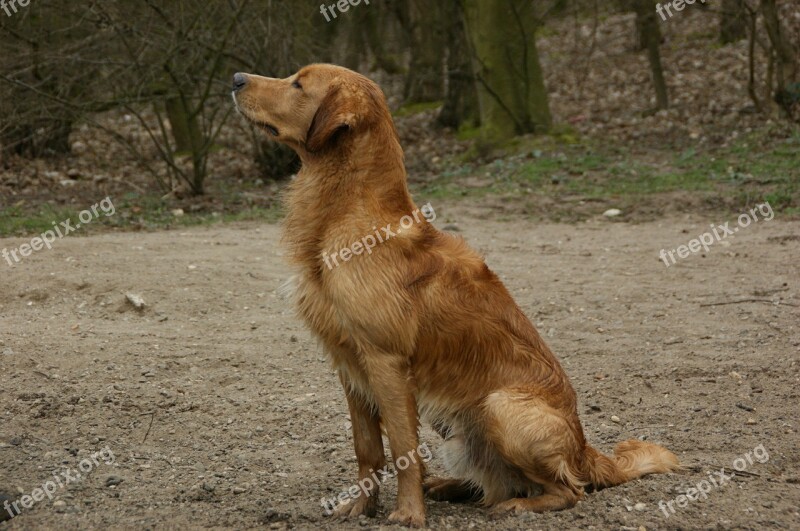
[(419, 327)]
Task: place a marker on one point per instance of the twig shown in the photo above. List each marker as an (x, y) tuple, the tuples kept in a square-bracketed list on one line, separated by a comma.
[(164, 458), (153, 416), (777, 303), (771, 291), (701, 466), (746, 473)]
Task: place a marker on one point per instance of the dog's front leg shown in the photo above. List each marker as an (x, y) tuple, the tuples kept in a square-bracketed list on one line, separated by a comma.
[(390, 382), (368, 444)]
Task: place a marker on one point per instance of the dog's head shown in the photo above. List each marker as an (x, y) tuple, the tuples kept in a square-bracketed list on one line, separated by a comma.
[(313, 109)]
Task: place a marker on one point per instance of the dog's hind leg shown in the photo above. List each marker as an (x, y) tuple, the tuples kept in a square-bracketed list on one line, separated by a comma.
[(451, 490), (542, 443), (446, 489), (555, 498)]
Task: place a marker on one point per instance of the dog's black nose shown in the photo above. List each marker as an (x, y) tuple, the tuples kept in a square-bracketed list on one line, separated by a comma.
[(239, 81)]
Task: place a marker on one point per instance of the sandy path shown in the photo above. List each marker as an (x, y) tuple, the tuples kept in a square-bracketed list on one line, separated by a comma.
[(221, 410)]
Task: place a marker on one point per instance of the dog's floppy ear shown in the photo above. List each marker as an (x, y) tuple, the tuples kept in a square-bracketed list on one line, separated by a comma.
[(335, 114)]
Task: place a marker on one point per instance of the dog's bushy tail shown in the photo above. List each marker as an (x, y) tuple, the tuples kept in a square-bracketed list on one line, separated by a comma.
[(631, 459)]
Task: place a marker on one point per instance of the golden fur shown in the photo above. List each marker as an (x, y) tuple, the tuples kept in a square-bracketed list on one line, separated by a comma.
[(421, 327)]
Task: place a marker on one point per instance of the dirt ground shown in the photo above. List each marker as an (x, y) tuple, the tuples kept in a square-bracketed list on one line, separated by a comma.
[(222, 412)]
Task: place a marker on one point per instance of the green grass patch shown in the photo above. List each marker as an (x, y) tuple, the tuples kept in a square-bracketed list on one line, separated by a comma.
[(17, 221), (133, 211), (466, 133), (416, 108), (750, 171), (757, 168)]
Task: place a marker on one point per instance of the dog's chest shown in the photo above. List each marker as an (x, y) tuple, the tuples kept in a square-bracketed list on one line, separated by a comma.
[(329, 323), (316, 307)]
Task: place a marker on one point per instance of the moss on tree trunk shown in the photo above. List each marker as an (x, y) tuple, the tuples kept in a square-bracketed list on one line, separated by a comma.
[(511, 92)]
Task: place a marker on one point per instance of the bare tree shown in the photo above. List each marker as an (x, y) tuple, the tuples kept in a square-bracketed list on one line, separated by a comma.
[(513, 99), (425, 79), (647, 23), (43, 66), (787, 58)]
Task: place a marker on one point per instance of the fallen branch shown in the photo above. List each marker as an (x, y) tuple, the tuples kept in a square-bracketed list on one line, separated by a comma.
[(777, 303)]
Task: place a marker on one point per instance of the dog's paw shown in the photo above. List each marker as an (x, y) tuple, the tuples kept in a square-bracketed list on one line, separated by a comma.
[(408, 518), (449, 490), (508, 507), (432, 483), (366, 505)]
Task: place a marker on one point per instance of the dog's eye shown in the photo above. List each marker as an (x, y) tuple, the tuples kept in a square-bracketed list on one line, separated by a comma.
[(297, 85)]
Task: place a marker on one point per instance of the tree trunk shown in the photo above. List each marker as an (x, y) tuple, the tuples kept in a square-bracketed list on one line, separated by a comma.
[(461, 100), (354, 41), (644, 31), (378, 26), (732, 23), (787, 91), (511, 92), (185, 131), (640, 43), (646, 19), (425, 80)]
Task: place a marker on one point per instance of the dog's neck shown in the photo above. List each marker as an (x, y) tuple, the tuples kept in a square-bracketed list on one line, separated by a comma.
[(361, 182)]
